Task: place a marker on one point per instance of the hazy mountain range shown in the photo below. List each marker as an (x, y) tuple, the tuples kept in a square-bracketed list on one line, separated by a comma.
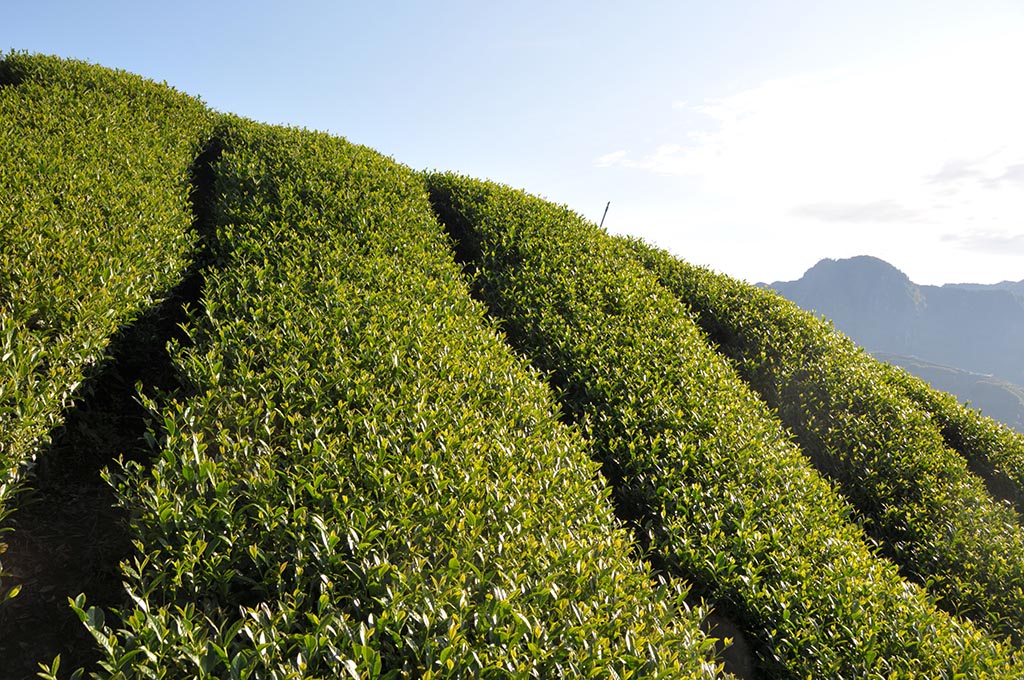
[(963, 338)]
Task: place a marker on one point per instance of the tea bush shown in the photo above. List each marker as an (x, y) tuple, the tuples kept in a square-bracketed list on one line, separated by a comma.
[(360, 478), (367, 482), (991, 449), (707, 474), (914, 495), (94, 226)]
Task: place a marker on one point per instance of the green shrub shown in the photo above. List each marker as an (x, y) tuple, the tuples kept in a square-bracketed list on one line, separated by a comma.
[(703, 469), (94, 226), (367, 482), (913, 495), (992, 450)]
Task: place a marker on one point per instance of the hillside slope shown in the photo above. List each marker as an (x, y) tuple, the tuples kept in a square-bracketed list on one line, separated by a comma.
[(366, 478), (998, 399), (698, 464), (95, 227), (887, 445), (426, 426)]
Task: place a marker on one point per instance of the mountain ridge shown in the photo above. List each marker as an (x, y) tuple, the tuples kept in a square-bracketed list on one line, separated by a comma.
[(974, 327)]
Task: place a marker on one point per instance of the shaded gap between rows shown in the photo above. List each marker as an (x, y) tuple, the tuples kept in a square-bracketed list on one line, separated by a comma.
[(739, 658), (68, 535)]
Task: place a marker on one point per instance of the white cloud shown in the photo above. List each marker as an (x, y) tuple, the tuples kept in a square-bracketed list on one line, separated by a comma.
[(997, 243), (610, 159), (1012, 174), (875, 211), (934, 142), (847, 135)]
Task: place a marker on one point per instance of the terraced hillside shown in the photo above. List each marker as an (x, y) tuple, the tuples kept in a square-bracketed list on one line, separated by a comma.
[(419, 425)]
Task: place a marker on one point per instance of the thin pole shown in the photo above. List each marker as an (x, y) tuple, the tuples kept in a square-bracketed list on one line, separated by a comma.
[(604, 215)]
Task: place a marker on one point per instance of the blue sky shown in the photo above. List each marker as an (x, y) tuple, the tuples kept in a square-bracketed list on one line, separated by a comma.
[(753, 137)]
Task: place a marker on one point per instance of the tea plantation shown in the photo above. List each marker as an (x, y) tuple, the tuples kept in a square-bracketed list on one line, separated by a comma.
[(422, 425)]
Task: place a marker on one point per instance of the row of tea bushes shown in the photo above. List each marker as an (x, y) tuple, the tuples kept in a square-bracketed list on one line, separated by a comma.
[(914, 496), (94, 225), (698, 462), (366, 482), (991, 449)]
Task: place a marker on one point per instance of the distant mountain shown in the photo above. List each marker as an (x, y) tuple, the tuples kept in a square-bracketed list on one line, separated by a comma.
[(1012, 286), (866, 298), (978, 329), (996, 398)]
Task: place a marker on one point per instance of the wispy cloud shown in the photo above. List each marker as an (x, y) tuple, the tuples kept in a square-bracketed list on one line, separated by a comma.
[(998, 243), (911, 132), (999, 170), (956, 170), (668, 159), (1013, 174), (932, 144), (875, 211), (610, 159)]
